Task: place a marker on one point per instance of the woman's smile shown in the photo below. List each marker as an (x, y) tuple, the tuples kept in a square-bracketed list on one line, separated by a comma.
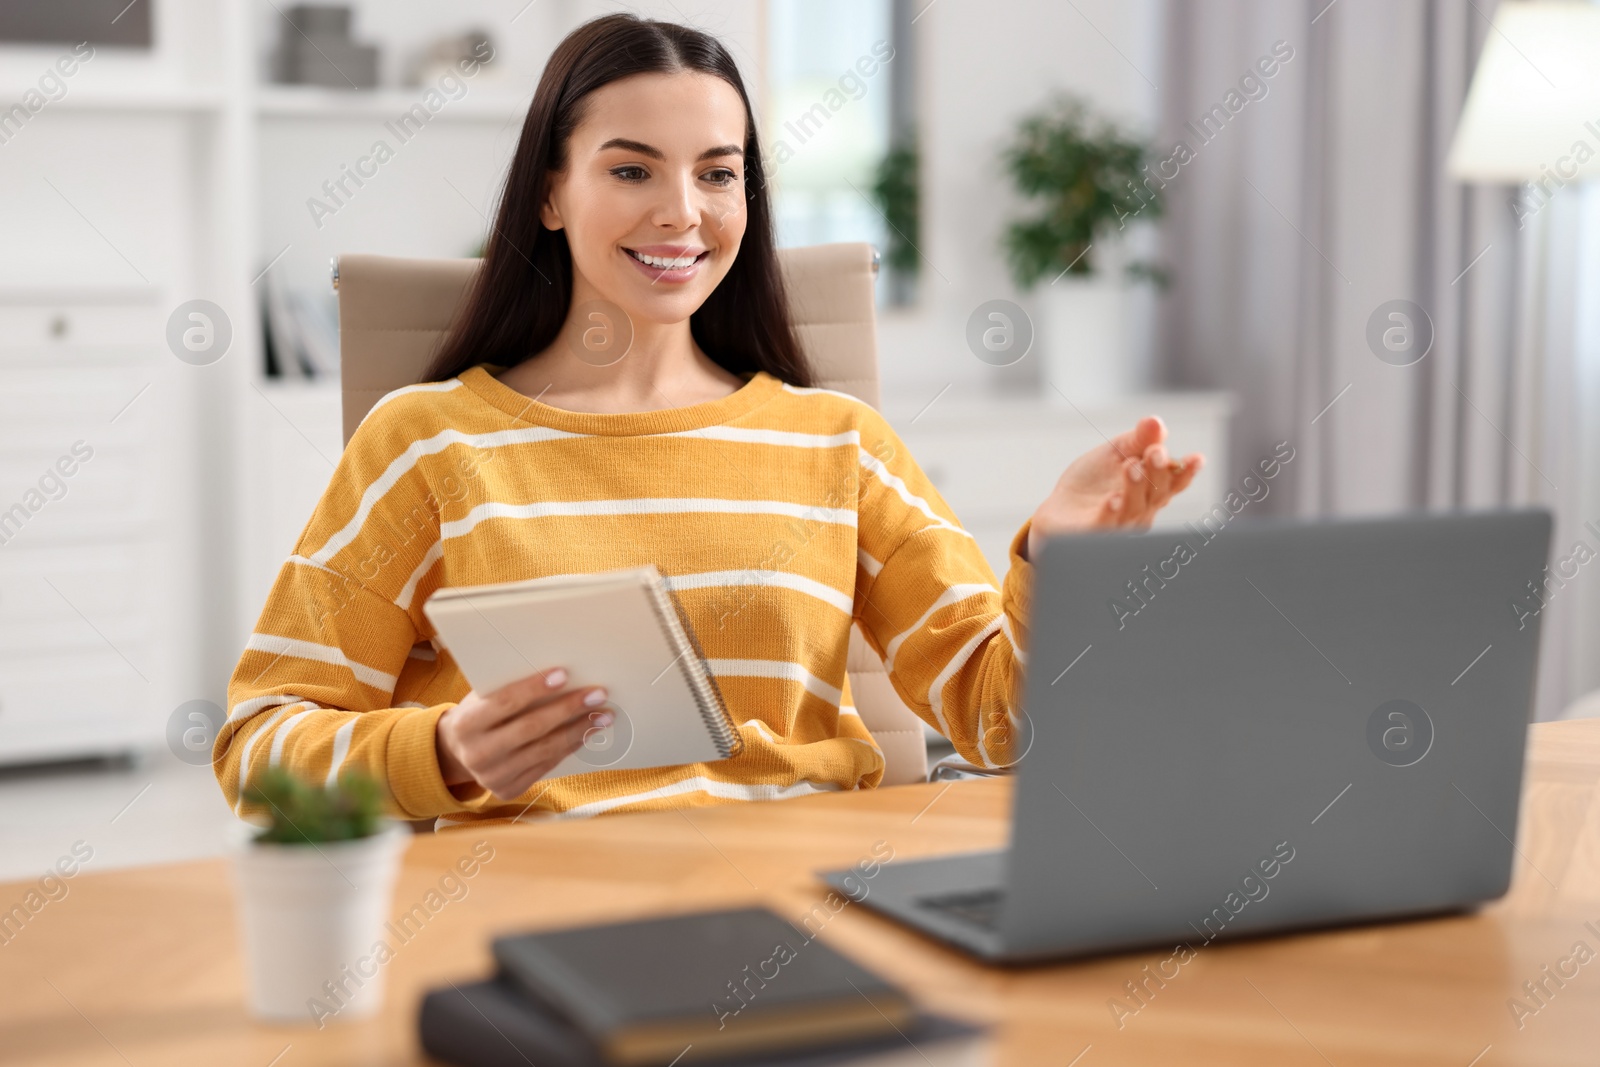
[(667, 263)]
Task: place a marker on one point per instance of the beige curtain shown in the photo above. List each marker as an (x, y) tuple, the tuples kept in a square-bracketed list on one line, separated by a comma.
[(1316, 196)]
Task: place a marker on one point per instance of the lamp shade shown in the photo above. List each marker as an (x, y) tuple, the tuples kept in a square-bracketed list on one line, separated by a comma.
[(1533, 109)]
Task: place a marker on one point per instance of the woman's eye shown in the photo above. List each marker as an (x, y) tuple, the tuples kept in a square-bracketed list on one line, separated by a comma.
[(720, 177)]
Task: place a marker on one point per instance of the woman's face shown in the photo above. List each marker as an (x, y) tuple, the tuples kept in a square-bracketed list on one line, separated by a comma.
[(653, 194)]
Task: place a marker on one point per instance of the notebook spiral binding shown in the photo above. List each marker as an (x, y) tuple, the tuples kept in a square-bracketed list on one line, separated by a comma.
[(702, 683)]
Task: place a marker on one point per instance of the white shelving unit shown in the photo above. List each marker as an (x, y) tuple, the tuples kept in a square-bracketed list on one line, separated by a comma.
[(306, 102), (161, 176), (432, 198)]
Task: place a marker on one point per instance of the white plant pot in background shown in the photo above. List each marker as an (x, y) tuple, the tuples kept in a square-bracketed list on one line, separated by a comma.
[(1082, 338), (308, 913)]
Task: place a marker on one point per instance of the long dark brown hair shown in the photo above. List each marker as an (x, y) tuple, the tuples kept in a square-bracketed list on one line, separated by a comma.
[(519, 299)]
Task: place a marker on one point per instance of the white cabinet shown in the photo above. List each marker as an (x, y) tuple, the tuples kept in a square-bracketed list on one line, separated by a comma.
[(89, 482)]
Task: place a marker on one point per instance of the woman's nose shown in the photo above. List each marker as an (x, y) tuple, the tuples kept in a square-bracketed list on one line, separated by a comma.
[(679, 207)]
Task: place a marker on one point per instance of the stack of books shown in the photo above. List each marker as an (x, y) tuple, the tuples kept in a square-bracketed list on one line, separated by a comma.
[(301, 329), (316, 48), (729, 987)]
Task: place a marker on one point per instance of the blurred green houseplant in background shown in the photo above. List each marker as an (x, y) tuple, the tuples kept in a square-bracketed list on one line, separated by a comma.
[(895, 185), (306, 813), (1087, 178)]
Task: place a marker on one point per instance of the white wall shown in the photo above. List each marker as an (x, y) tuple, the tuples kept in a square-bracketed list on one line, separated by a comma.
[(982, 66), (433, 197), (738, 24)]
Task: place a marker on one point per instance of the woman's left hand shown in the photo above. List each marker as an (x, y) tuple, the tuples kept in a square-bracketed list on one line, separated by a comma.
[(1124, 482)]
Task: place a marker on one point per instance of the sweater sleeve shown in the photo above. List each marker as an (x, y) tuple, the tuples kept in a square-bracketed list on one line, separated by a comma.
[(952, 638), (314, 690)]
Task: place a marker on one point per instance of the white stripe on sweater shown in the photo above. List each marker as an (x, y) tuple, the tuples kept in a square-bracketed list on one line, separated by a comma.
[(298, 649), (776, 668), (281, 735), (1016, 649), (698, 784), (341, 748), (408, 459), (255, 705), (801, 390), (868, 564), (952, 595), (642, 506), (244, 754), (893, 481), (405, 461), (420, 387), (409, 591), (754, 436), (799, 583), (958, 661), (764, 730)]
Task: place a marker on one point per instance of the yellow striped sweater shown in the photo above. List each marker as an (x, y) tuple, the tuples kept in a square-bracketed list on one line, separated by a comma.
[(780, 515)]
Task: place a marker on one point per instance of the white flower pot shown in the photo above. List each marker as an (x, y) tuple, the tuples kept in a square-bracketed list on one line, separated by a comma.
[(310, 915), (1083, 339)]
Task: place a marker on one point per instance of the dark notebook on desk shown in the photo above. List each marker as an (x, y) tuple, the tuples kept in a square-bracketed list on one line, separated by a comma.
[(494, 1024), (724, 982)]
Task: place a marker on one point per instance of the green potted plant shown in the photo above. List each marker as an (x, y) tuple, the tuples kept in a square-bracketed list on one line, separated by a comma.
[(1086, 181), (315, 886), (895, 188)]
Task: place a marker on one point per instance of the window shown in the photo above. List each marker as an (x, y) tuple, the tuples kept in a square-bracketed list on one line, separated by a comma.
[(827, 128)]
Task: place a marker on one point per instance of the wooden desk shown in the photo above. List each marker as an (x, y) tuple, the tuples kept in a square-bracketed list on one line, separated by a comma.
[(142, 966)]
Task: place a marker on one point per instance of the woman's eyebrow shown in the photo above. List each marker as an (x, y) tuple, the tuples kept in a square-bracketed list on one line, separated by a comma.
[(656, 153)]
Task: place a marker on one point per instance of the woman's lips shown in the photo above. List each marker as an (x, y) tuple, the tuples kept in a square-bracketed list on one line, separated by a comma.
[(667, 274)]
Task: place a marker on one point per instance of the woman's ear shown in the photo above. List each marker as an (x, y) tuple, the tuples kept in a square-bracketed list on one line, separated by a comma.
[(549, 214)]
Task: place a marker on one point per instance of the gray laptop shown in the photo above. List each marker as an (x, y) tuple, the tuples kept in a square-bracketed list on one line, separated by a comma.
[(1288, 724)]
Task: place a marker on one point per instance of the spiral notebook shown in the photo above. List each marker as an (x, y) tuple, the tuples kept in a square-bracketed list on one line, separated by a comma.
[(623, 630)]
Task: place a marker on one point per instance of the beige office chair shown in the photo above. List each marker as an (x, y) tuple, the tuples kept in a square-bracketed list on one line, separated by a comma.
[(392, 312)]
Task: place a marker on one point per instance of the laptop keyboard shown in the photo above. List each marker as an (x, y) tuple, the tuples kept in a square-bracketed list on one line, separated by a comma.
[(979, 907)]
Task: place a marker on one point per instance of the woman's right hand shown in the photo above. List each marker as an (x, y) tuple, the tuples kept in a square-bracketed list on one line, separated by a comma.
[(511, 738)]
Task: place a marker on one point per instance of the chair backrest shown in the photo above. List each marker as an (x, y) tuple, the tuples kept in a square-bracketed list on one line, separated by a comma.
[(393, 312)]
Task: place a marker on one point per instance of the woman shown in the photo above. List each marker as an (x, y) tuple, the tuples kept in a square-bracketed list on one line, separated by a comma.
[(636, 224)]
